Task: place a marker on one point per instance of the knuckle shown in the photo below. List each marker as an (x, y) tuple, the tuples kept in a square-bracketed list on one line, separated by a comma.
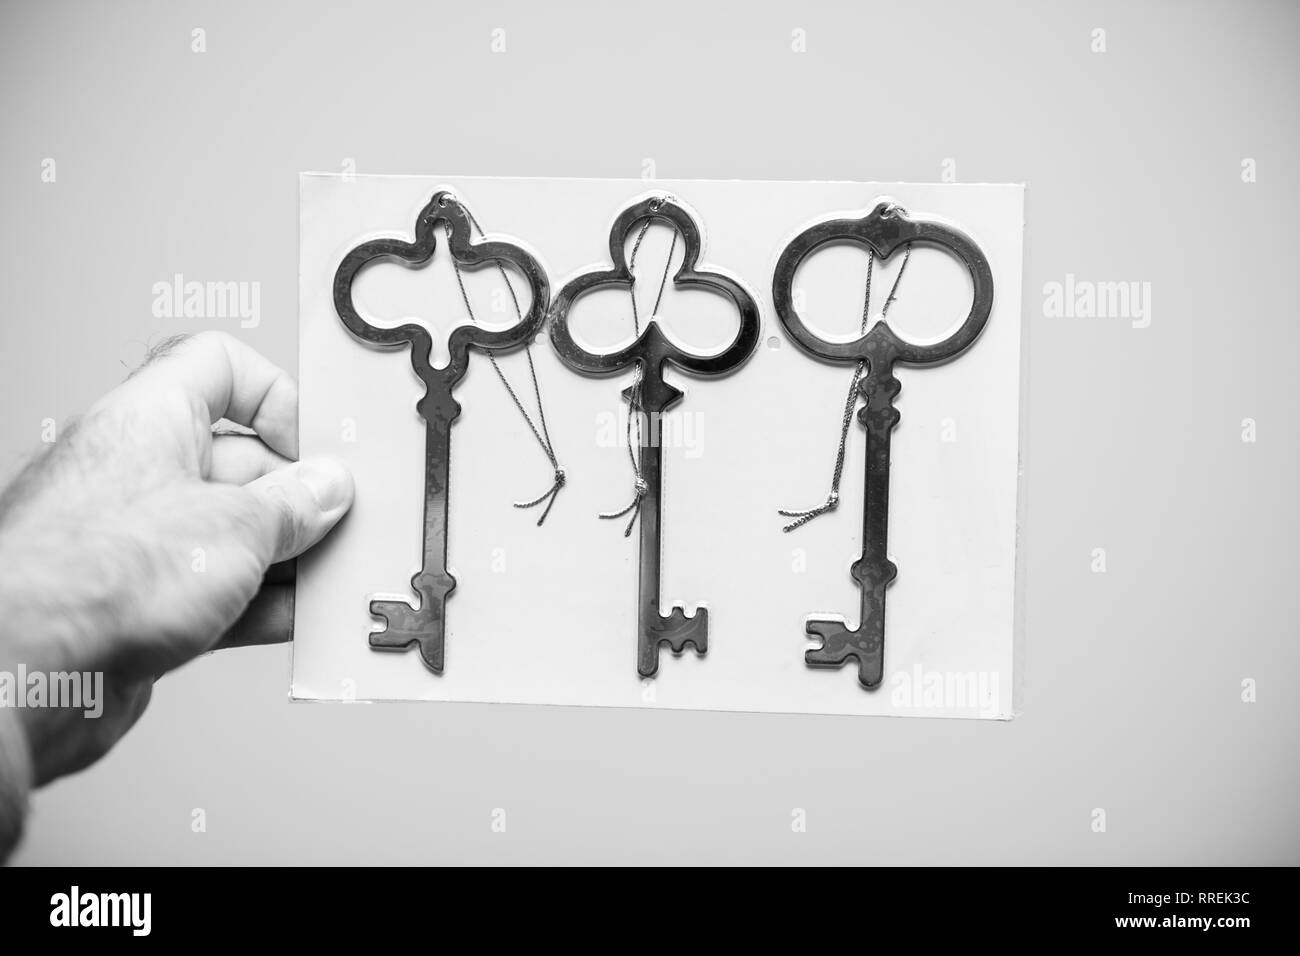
[(211, 338), (212, 345)]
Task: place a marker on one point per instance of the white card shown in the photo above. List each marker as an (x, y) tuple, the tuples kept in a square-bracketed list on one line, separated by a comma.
[(548, 615)]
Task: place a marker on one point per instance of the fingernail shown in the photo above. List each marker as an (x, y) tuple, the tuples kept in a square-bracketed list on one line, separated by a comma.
[(329, 482)]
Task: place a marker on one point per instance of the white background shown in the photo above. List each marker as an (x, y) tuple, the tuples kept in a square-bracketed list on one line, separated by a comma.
[(171, 161)]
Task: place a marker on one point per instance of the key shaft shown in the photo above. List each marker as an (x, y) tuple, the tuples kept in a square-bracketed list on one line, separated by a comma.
[(676, 630), (425, 626), (873, 571)]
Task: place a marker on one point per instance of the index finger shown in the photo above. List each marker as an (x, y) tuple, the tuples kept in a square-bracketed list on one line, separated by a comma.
[(231, 379)]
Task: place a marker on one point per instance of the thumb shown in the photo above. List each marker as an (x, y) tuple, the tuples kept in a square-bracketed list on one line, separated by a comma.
[(297, 504)]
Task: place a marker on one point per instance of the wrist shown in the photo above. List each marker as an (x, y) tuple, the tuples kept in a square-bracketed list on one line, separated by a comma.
[(40, 617), (15, 779)]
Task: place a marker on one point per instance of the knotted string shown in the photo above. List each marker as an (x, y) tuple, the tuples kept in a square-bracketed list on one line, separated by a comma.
[(542, 434), (640, 487), (850, 402)]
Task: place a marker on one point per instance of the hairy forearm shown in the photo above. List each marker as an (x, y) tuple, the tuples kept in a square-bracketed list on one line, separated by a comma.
[(23, 625)]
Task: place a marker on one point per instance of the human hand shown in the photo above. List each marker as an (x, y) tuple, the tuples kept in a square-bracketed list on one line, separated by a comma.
[(140, 539)]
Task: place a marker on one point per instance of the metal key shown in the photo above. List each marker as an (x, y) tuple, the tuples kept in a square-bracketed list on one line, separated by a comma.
[(884, 230), (652, 351), (425, 626)]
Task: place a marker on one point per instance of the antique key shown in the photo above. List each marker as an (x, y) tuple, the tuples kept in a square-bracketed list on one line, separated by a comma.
[(884, 230), (651, 352), (425, 626)]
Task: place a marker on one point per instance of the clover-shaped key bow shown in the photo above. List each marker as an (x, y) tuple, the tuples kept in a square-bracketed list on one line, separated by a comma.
[(425, 626), (884, 230), (653, 351)]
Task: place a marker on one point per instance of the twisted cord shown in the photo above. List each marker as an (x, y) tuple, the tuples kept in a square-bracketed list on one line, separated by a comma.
[(639, 484), (542, 433), (832, 501)]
